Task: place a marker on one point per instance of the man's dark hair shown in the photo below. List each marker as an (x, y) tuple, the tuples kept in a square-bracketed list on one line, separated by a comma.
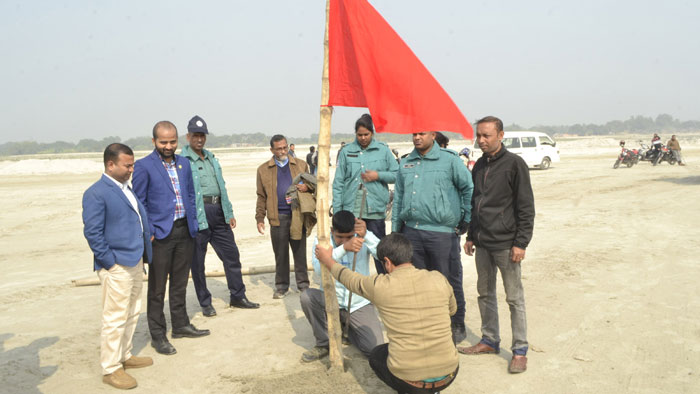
[(312, 148), (366, 122), (343, 221), (396, 247), (163, 124), (276, 138), (492, 119), (112, 152), (441, 139)]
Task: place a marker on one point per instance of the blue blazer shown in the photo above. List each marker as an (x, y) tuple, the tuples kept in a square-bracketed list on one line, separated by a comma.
[(153, 187), (111, 226)]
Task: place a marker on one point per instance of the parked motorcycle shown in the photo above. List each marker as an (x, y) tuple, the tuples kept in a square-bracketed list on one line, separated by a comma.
[(626, 157), (646, 153), (664, 154), (466, 152)]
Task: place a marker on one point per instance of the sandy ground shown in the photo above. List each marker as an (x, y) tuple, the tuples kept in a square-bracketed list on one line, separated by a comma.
[(610, 279)]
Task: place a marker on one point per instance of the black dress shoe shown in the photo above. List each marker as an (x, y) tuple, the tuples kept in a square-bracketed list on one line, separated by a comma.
[(208, 311), (243, 303), (163, 346), (189, 331)]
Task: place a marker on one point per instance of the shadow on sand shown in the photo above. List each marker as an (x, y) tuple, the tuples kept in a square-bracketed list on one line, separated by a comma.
[(20, 370), (688, 180)]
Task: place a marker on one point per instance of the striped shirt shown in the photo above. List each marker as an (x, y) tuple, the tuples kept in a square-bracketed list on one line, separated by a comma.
[(179, 203)]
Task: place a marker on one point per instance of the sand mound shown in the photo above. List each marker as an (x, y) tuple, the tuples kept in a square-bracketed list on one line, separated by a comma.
[(50, 166)]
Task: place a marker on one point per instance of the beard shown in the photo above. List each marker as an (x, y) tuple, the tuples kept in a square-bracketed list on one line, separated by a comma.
[(166, 154)]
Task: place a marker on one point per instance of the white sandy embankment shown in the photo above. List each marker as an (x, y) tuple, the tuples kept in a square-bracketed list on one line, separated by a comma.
[(610, 280)]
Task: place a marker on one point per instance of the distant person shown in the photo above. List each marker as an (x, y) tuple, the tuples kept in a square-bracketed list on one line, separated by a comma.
[(274, 177), (291, 150), (163, 183), (215, 219), (675, 148), (368, 163), (116, 229), (349, 236), (432, 207), (310, 160), (503, 217), (415, 306), (337, 155), (441, 139)]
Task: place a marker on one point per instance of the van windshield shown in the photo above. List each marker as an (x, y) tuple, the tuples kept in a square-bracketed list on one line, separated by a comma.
[(545, 140)]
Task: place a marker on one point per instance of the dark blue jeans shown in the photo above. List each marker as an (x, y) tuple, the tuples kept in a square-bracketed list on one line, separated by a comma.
[(438, 251), (220, 235)]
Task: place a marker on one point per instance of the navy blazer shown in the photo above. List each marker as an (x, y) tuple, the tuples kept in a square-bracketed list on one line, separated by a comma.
[(111, 226), (153, 187)]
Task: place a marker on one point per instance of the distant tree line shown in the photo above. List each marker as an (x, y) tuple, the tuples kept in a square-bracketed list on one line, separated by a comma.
[(635, 124)]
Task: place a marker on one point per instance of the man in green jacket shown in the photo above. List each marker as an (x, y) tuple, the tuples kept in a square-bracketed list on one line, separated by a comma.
[(369, 164), (215, 219), (432, 206)]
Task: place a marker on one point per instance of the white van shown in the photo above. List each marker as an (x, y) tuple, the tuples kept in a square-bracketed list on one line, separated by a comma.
[(537, 149)]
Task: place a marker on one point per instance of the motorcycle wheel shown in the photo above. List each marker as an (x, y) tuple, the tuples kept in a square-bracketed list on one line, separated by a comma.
[(630, 164), (672, 161), (617, 164)]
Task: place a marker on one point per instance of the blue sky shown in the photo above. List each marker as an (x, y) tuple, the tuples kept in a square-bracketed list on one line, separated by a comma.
[(78, 69)]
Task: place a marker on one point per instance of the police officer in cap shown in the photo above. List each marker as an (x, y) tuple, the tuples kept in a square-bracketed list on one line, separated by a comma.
[(216, 221)]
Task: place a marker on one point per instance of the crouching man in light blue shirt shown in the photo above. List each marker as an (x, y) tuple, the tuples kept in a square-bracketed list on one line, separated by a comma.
[(349, 236)]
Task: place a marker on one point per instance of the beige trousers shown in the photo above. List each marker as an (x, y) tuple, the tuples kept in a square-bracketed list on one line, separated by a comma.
[(121, 303)]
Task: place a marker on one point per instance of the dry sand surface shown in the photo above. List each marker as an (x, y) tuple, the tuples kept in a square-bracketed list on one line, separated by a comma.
[(611, 281)]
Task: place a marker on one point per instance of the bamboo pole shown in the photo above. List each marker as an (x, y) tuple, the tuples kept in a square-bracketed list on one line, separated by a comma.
[(265, 269), (322, 229), (354, 259)]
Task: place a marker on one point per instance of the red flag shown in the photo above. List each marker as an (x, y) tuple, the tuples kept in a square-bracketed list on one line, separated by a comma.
[(370, 66)]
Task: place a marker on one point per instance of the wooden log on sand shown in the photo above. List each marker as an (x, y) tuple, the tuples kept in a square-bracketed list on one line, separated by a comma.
[(266, 269)]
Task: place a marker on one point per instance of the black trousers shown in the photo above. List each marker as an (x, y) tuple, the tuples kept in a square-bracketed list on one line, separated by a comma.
[(437, 251), (280, 245), (172, 257), (377, 360), (220, 235), (378, 228)]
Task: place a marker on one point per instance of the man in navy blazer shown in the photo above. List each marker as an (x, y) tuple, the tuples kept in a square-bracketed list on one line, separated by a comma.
[(163, 183), (116, 228)]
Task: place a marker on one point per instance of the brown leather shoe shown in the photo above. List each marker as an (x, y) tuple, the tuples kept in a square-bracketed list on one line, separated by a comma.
[(479, 348), (120, 380), (518, 364), (138, 362)]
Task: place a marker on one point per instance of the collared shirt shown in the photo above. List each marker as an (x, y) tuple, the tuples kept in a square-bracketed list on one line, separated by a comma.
[(281, 164), (179, 203), (341, 256), (207, 177), (129, 196)]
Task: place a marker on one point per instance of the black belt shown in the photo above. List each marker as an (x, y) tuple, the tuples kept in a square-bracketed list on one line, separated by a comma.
[(212, 199), (180, 222)]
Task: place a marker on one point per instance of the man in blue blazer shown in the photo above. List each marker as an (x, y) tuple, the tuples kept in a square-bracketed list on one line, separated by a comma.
[(163, 183), (116, 228)]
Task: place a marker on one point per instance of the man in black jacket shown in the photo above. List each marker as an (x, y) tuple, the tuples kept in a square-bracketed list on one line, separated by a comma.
[(503, 216)]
